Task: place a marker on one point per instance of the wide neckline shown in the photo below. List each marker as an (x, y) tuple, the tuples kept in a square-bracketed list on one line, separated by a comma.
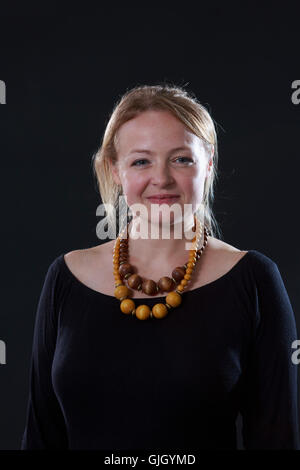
[(197, 289)]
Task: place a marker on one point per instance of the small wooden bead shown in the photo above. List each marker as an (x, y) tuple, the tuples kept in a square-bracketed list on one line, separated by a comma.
[(159, 310), (184, 282), (187, 277), (149, 287), (126, 268), (127, 306), (166, 284), (135, 281), (173, 299), (118, 283), (189, 271), (142, 312), (121, 291), (180, 289)]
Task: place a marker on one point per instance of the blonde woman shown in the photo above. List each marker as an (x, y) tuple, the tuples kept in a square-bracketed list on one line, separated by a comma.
[(159, 342)]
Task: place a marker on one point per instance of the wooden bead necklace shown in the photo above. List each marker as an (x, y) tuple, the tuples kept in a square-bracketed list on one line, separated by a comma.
[(124, 271)]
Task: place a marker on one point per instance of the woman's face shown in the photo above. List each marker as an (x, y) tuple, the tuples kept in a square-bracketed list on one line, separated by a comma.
[(157, 154)]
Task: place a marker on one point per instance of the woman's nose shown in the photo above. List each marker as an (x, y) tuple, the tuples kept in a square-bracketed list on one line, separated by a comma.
[(162, 174)]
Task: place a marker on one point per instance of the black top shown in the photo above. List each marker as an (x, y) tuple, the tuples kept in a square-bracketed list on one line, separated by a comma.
[(100, 379)]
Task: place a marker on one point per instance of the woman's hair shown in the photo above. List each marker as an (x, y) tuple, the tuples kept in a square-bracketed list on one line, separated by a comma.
[(185, 107)]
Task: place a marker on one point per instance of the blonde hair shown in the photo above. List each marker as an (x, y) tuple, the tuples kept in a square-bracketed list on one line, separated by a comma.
[(185, 107)]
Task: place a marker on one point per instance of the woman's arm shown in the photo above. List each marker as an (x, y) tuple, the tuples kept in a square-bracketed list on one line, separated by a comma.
[(269, 400), (45, 426)]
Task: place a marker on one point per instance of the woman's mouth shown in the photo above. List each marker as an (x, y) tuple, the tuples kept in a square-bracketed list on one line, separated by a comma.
[(163, 200)]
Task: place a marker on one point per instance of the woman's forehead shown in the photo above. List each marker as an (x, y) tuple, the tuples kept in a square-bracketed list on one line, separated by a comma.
[(154, 129)]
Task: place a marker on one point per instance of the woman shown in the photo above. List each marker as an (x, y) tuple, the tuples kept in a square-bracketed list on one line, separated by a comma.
[(159, 342)]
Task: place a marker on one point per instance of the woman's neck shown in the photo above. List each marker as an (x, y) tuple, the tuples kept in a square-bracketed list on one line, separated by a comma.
[(167, 243)]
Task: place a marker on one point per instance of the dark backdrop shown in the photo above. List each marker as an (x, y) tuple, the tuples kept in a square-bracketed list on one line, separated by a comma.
[(64, 70)]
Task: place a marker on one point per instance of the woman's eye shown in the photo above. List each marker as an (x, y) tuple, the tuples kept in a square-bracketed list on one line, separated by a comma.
[(141, 160), (187, 160)]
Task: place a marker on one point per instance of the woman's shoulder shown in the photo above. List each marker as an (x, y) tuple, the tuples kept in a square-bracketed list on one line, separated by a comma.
[(220, 257), (92, 266), (219, 248), (94, 256), (217, 259)]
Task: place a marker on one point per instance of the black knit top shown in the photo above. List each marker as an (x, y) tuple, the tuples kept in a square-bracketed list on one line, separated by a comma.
[(100, 379)]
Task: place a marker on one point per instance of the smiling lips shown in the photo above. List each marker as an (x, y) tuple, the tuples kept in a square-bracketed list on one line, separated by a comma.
[(165, 198)]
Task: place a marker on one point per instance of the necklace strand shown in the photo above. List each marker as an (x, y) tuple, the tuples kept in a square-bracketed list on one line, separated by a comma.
[(122, 270)]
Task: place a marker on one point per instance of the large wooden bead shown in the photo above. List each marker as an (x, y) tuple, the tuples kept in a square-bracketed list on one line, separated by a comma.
[(149, 287), (135, 281), (173, 299), (126, 270), (121, 291), (159, 310), (127, 305), (178, 273), (143, 312), (166, 284)]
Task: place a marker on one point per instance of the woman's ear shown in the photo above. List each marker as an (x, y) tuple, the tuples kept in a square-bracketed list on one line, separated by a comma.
[(210, 161)]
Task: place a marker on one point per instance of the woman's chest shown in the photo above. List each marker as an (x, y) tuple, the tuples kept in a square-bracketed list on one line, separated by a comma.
[(183, 355)]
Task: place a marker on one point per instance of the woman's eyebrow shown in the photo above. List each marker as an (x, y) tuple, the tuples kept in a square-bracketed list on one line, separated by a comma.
[(176, 149)]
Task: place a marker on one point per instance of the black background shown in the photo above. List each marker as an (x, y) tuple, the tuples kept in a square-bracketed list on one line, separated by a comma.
[(64, 69)]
